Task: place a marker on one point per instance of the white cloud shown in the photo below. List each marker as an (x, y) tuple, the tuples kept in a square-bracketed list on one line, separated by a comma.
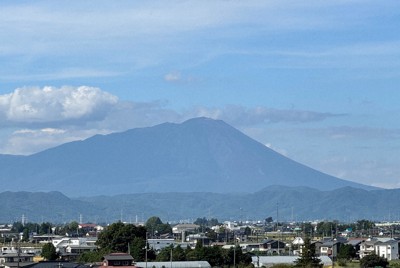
[(32, 105), (172, 77)]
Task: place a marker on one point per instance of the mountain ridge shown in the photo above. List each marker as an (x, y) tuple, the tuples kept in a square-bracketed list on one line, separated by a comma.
[(346, 204)]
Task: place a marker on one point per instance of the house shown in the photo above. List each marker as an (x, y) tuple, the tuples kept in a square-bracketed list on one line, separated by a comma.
[(388, 249), (118, 259), (70, 247), (330, 247), (367, 247), (384, 247), (248, 247), (296, 245), (90, 229), (273, 247), (158, 244), (15, 259), (184, 227)]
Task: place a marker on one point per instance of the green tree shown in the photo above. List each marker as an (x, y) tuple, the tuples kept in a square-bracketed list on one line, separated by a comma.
[(17, 227), (373, 260), (178, 254), (25, 235), (235, 255), (308, 258), (138, 250), (326, 228), (165, 254), (45, 228), (49, 252), (364, 225), (91, 256), (154, 225), (307, 228), (247, 230), (347, 252), (118, 236)]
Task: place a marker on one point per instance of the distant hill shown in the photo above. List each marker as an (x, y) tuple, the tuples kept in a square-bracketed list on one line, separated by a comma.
[(293, 203), (199, 155)]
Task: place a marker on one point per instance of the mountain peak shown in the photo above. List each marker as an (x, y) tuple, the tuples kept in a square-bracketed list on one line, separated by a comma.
[(200, 154)]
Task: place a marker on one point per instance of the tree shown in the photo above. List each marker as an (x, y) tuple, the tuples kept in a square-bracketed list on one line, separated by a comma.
[(373, 260), (155, 225), (118, 236), (346, 252), (45, 228), (25, 235), (247, 230), (138, 249), (178, 254), (91, 256), (165, 254), (326, 228), (269, 220), (308, 258), (364, 225), (49, 252)]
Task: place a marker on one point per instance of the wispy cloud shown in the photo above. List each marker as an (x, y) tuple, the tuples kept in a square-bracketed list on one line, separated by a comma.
[(243, 116), (128, 36)]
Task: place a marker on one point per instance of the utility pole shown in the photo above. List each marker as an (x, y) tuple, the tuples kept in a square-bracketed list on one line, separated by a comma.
[(145, 248), (171, 256), (277, 227)]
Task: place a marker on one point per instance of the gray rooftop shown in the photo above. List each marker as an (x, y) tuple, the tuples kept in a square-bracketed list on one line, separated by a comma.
[(175, 264)]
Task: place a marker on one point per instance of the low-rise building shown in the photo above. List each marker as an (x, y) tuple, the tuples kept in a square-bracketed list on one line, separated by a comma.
[(118, 260), (388, 249), (158, 244)]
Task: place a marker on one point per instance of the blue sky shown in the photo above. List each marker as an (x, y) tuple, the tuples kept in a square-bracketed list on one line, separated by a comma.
[(314, 80)]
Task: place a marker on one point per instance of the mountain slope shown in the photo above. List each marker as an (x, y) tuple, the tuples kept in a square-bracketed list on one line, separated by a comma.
[(198, 155)]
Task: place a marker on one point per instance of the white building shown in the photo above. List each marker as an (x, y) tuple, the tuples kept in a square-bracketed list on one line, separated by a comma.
[(384, 247), (388, 249), (74, 244), (159, 244)]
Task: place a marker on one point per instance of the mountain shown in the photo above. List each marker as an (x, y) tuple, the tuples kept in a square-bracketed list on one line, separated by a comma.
[(41, 207), (198, 155), (293, 203)]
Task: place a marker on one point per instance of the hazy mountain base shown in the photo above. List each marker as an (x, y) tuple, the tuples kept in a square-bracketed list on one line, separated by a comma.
[(292, 203)]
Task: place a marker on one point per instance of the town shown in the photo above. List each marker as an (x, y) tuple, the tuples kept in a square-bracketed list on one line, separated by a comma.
[(202, 243)]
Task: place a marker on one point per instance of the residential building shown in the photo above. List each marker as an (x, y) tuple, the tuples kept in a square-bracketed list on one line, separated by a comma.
[(273, 247), (158, 244), (70, 247), (15, 259), (118, 260), (388, 249), (384, 247)]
